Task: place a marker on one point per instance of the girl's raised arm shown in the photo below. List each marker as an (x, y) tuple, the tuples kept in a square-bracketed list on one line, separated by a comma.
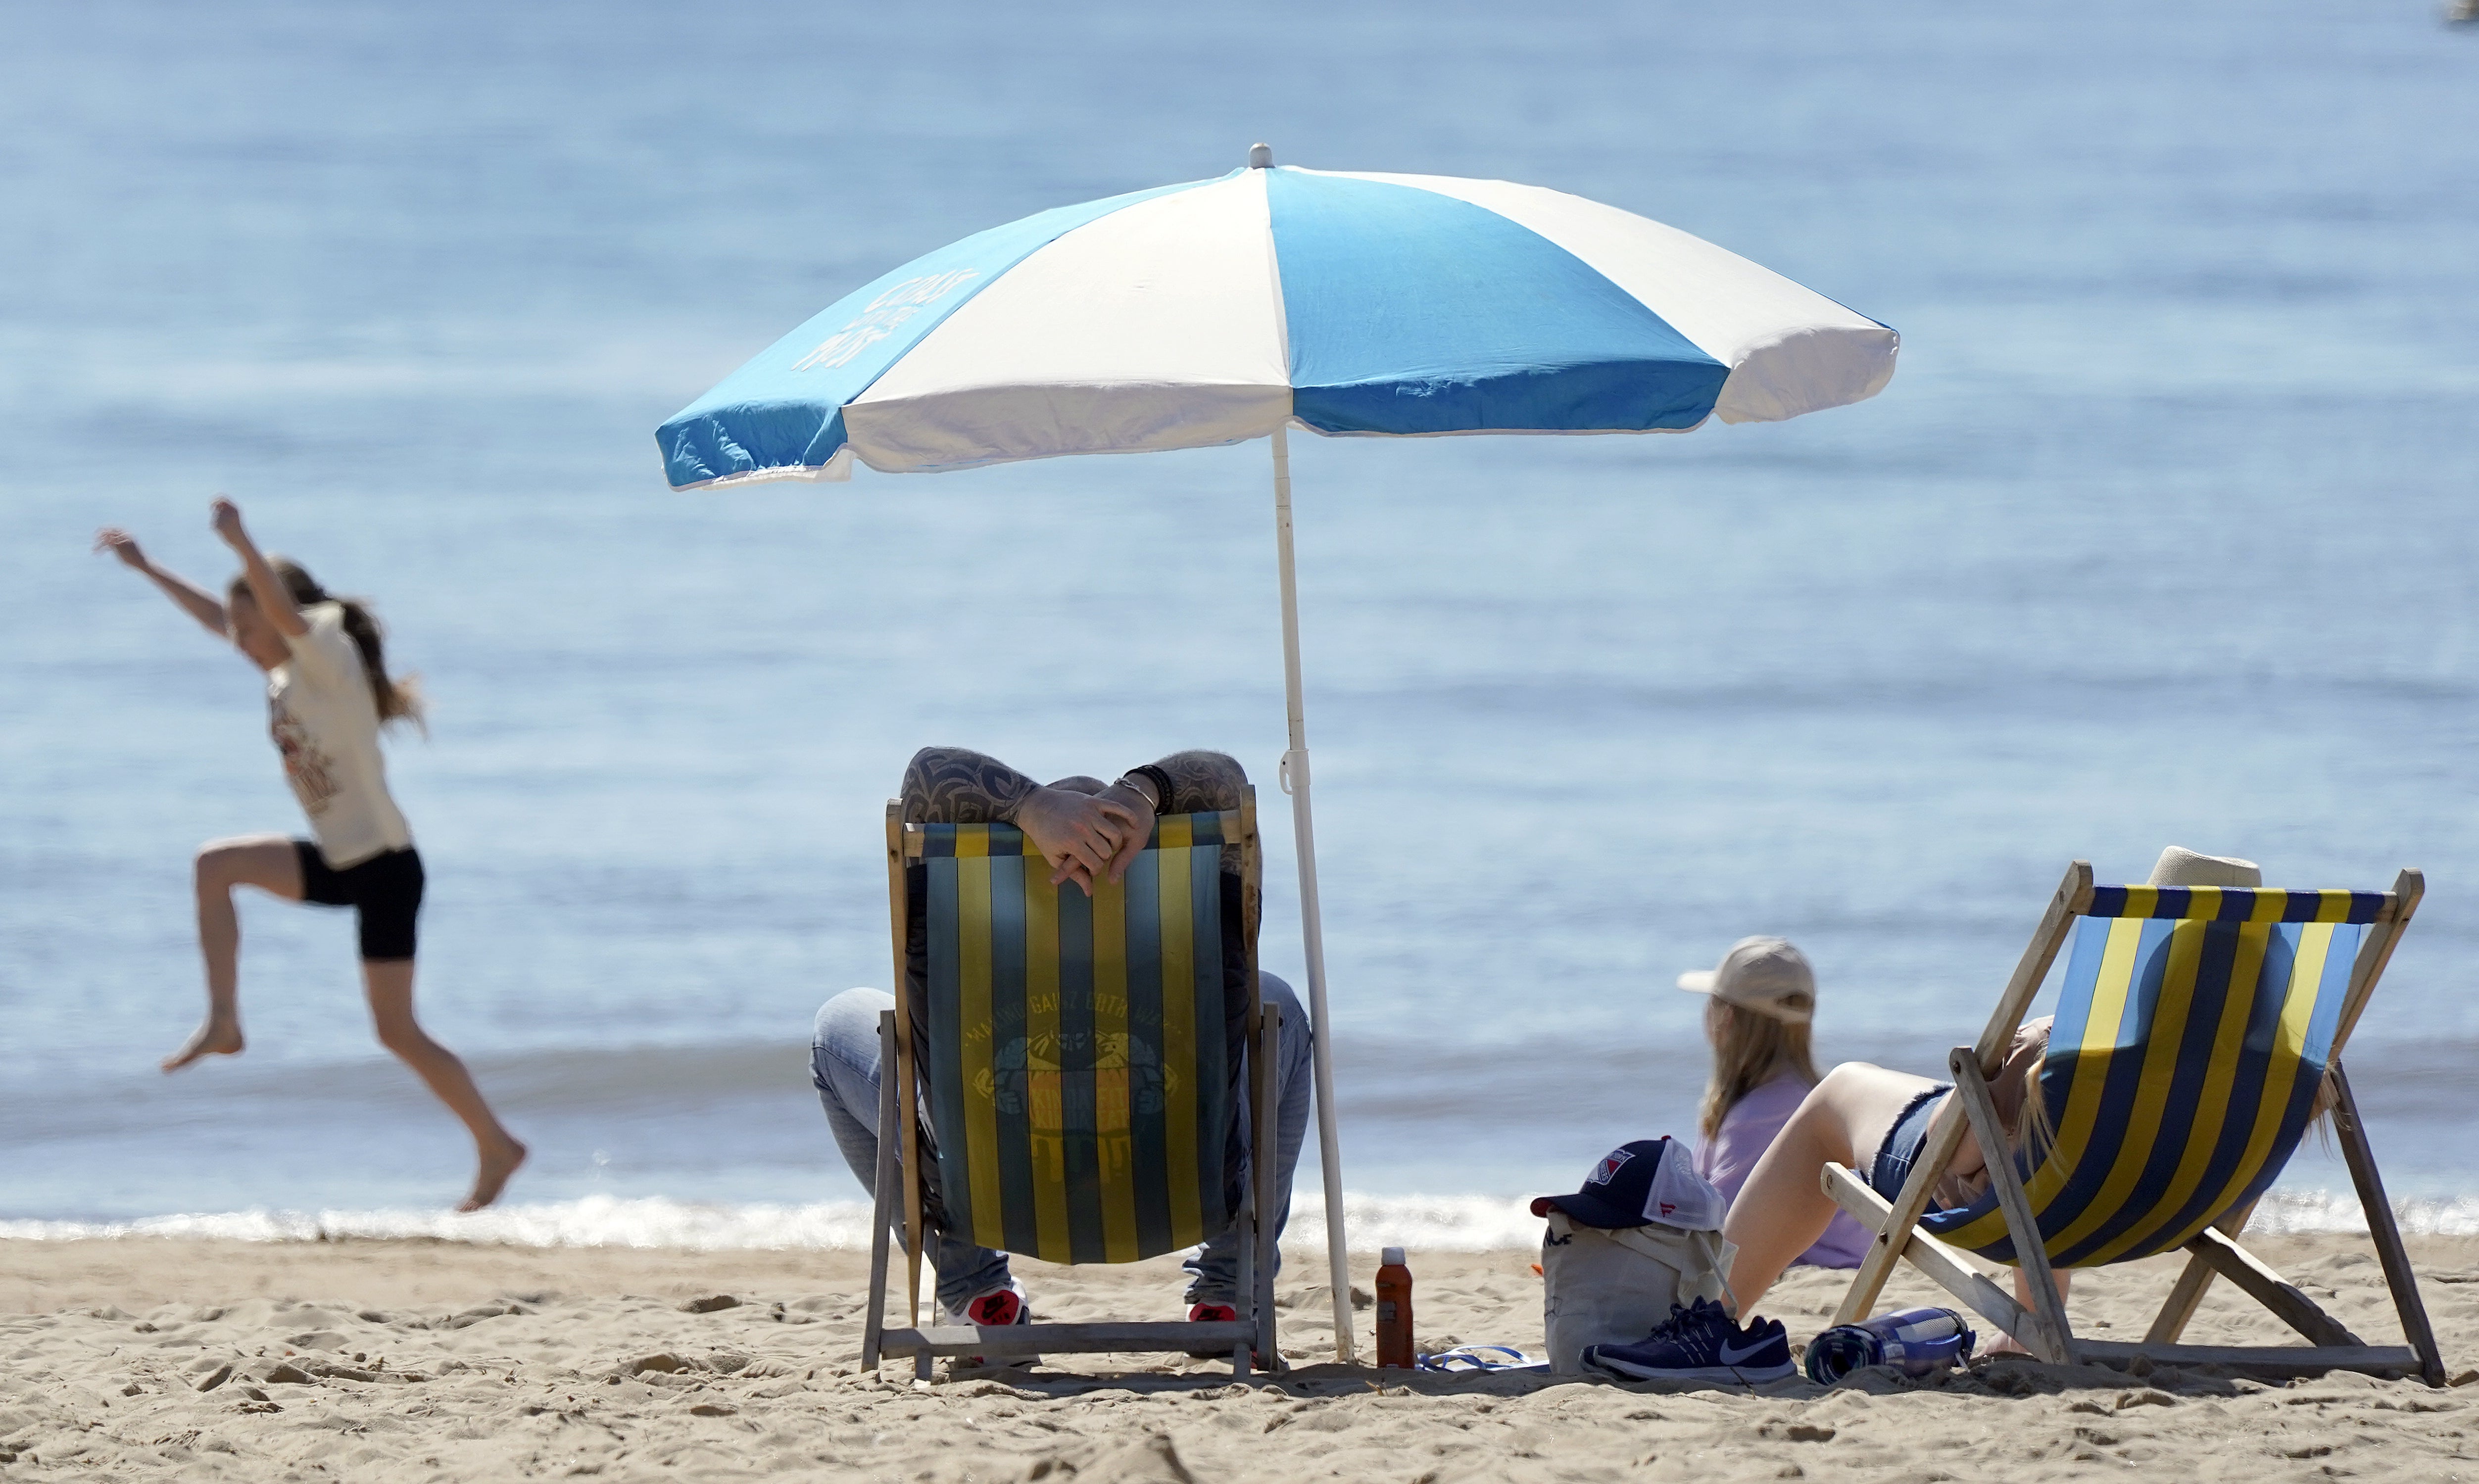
[(193, 600), (275, 600)]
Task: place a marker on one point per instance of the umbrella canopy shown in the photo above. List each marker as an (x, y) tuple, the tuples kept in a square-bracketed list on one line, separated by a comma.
[(1223, 310)]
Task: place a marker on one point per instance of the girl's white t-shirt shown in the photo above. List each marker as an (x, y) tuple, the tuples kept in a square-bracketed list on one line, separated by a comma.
[(325, 722)]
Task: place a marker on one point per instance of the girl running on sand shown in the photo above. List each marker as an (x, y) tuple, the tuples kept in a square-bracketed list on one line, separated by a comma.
[(328, 694)]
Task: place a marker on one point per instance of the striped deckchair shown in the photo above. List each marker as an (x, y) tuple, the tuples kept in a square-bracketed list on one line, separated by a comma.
[(2193, 1030), (1068, 1073)]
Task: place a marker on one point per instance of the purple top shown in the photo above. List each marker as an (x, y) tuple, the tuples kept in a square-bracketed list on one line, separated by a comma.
[(1747, 1131)]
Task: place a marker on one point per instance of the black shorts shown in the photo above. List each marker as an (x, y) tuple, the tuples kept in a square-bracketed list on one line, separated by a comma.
[(386, 891), (1904, 1142)]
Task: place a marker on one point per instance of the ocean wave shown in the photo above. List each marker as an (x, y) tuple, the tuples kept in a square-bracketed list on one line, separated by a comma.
[(2327, 1211), (1431, 1223), (1456, 1223)]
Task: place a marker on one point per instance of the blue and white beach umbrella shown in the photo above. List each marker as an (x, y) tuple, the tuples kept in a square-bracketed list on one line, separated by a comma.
[(1351, 304), (1222, 310)]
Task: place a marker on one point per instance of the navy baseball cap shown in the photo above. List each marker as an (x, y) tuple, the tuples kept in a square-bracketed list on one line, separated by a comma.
[(1637, 1184)]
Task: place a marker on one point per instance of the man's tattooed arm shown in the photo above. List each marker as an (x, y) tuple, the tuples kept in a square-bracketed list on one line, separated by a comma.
[(1203, 783), (955, 785)]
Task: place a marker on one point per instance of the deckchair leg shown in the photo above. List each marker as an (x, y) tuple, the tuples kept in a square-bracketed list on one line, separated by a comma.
[(2072, 896), (2381, 1225), (2292, 1306), (1266, 1137), (1935, 1259), (882, 1213), (2186, 1295), (1244, 1289), (899, 1071), (1885, 1252), (1239, 1353), (2056, 1341)]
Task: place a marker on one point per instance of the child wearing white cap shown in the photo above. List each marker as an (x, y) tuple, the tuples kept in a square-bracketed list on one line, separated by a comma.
[(1762, 1001)]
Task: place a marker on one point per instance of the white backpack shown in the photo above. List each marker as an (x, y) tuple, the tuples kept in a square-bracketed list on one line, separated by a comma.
[(1612, 1285)]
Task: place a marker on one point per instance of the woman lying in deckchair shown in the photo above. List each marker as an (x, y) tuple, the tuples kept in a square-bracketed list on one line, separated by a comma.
[(1876, 1123)]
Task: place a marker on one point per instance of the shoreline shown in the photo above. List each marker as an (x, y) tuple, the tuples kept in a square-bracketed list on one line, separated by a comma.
[(1429, 1222), (429, 1359)]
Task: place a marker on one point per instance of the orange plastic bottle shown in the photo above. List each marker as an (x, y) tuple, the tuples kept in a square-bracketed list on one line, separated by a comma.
[(1394, 1311)]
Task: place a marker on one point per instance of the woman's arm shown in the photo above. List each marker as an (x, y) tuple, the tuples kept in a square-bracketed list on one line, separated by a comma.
[(2017, 1086), (264, 585), (192, 600)]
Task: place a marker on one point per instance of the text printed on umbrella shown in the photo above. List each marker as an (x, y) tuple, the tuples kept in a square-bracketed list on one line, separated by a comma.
[(885, 313)]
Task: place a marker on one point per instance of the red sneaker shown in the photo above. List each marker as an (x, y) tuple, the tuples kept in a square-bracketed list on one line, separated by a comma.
[(1003, 1307), (995, 1308), (1212, 1313)]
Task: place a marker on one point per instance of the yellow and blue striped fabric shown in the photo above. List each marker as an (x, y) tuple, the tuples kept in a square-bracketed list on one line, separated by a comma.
[(1082, 1053), (2192, 1031)]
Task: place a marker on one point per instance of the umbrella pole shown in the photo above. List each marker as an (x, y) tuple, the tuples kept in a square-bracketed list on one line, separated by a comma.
[(1295, 782)]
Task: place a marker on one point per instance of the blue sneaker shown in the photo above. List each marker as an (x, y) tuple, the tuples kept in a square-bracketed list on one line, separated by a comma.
[(1700, 1343)]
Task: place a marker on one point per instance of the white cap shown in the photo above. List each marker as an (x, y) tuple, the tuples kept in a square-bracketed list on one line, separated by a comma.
[(1261, 156), (1391, 1257), (1766, 975)]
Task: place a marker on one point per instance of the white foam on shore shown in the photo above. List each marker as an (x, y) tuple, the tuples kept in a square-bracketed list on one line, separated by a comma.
[(1432, 1223), (590, 1222), (1459, 1224), (2328, 1210)]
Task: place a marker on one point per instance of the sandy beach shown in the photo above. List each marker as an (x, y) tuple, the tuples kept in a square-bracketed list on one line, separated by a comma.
[(140, 1357)]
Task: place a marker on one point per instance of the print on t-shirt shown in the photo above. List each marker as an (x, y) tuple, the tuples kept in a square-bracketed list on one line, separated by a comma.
[(323, 716), (312, 771)]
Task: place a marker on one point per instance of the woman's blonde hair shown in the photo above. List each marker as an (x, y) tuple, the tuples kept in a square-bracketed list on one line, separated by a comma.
[(1750, 1049)]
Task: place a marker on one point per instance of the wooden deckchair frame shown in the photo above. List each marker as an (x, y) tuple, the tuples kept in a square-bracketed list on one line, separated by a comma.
[(1248, 1337), (2043, 1329)]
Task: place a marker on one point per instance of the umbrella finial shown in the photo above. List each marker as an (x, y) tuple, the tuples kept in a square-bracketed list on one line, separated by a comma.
[(1261, 156)]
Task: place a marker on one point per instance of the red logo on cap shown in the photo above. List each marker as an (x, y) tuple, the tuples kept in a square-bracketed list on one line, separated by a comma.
[(1607, 1170)]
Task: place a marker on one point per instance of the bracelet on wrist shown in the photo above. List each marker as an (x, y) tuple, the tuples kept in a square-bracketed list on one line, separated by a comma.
[(1142, 790), (1153, 784)]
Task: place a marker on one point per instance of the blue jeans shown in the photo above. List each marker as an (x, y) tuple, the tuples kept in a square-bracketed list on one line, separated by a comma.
[(843, 1062)]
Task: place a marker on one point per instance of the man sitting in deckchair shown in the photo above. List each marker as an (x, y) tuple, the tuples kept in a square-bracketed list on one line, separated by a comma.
[(1876, 1123), (1085, 830)]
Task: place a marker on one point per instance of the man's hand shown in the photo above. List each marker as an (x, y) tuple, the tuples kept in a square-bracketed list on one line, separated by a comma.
[(226, 519), (1136, 812), (1084, 834), (119, 542)]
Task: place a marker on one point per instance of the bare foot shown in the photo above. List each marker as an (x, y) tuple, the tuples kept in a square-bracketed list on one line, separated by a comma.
[(492, 1177), (215, 1039)]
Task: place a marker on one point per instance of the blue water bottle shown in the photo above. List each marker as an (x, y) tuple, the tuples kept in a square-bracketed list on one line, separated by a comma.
[(1914, 1341)]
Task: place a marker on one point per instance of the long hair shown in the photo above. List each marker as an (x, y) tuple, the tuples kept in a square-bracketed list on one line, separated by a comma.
[(399, 698), (1750, 1049)]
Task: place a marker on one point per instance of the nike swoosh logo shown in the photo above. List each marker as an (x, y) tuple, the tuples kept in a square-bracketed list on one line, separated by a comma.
[(1733, 1357)]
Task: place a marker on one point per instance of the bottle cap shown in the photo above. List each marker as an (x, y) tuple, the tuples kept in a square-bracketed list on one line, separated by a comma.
[(1391, 1257)]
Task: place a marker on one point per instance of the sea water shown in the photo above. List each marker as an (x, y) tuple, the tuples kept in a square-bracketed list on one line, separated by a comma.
[(2162, 533)]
